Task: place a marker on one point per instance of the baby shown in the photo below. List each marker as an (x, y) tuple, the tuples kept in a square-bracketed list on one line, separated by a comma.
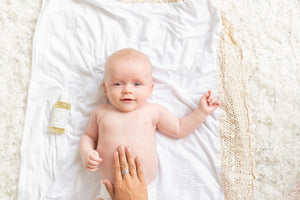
[(129, 120)]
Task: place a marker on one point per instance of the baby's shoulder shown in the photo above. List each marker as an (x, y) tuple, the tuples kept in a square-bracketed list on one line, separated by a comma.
[(151, 105), (154, 107), (154, 110), (102, 109)]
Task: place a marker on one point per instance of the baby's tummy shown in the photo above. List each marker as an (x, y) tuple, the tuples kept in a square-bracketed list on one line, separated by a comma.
[(145, 149)]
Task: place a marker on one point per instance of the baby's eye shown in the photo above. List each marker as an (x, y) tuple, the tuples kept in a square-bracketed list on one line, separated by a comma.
[(117, 84), (137, 84)]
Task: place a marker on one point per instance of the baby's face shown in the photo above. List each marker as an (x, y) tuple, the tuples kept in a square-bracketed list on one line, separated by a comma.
[(128, 83)]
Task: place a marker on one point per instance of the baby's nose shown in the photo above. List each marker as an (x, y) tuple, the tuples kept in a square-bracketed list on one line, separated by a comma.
[(127, 90)]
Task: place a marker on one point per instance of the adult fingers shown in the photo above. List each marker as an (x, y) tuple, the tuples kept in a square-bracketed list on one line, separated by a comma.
[(117, 171), (109, 188), (123, 160), (131, 163), (139, 169)]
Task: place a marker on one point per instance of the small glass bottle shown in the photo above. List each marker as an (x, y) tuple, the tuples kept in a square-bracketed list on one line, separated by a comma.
[(60, 116)]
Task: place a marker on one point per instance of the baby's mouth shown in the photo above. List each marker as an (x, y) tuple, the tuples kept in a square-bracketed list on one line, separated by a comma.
[(127, 100)]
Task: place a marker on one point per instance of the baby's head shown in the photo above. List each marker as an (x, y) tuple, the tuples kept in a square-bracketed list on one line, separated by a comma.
[(128, 79)]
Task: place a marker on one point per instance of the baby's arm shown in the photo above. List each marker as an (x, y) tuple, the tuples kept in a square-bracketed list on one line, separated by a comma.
[(88, 145), (180, 128)]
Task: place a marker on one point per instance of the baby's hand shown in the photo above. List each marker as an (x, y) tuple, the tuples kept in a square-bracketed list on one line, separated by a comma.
[(92, 160), (208, 103)]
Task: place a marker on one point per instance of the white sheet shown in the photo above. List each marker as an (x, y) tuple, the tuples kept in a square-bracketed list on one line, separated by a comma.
[(73, 38)]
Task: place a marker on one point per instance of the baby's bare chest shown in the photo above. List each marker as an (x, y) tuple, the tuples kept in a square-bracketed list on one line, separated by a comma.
[(124, 127)]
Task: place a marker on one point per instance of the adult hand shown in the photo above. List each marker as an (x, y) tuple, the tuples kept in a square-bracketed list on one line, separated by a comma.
[(129, 185)]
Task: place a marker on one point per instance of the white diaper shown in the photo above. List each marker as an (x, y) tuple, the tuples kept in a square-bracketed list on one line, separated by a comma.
[(151, 192)]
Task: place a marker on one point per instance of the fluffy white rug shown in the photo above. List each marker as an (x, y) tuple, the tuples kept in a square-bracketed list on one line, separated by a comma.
[(270, 41), (17, 23)]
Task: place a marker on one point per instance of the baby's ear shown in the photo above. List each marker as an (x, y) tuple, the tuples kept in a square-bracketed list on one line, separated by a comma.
[(104, 88), (151, 89)]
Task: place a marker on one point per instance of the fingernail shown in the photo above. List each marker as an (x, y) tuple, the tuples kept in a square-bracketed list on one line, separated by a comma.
[(122, 148)]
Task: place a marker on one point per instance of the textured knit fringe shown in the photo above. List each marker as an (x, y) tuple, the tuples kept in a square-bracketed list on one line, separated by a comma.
[(235, 118)]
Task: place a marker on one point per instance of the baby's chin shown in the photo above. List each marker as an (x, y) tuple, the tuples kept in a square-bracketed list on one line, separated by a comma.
[(126, 109)]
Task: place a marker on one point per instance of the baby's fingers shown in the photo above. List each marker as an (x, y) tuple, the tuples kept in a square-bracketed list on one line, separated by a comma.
[(92, 163), (215, 105), (95, 157), (92, 169), (207, 95), (212, 102)]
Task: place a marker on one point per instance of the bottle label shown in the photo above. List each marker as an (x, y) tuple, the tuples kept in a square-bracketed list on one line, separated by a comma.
[(59, 118)]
